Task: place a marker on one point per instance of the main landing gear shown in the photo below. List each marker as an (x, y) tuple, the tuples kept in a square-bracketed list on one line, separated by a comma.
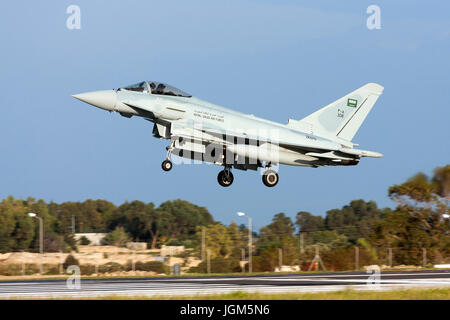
[(270, 178), (225, 177)]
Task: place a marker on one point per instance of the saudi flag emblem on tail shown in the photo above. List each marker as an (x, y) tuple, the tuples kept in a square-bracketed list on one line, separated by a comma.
[(352, 103)]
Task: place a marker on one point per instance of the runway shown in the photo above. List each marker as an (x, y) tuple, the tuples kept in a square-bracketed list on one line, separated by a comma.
[(179, 286)]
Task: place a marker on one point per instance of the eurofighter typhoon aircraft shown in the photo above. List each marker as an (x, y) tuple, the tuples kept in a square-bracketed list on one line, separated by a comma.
[(205, 132)]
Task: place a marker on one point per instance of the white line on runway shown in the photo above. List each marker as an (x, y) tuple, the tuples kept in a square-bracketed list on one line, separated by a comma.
[(300, 276)]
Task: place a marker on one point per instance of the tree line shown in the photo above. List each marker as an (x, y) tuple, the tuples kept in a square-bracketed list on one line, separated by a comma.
[(417, 222), (172, 222)]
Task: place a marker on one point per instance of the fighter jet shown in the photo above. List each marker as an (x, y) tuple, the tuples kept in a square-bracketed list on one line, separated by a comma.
[(201, 131)]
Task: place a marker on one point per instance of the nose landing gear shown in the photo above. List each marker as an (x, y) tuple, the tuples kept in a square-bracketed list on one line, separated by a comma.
[(225, 177), (167, 165)]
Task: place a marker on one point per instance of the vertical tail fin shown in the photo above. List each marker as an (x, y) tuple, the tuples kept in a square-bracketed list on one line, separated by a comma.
[(343, 117)]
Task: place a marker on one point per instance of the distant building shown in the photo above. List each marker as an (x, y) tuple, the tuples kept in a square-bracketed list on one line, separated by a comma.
[(160, 259), (287, 269), (94, 238)]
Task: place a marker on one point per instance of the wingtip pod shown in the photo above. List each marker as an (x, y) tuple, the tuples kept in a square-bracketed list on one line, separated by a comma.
[(373, 154)]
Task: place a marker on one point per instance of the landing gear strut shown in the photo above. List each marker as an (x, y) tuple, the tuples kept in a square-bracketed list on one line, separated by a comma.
[(270, 178), (225, 177), (167, 165)]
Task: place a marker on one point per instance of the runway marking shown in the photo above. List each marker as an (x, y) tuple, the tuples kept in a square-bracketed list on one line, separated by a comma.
[(202, 291), (262, 278), (413, 281), (202, 286)]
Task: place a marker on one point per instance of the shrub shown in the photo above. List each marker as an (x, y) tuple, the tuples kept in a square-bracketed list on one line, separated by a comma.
[(219, 265), (31, 269), (155, 266), (70, 261), (51, 269), (110, 267), (11, 270), (128, 266), (87, 269), (84, 241), (17, 269)]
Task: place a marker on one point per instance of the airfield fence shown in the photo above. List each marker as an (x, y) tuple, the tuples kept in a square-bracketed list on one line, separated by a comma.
[(312, 257)]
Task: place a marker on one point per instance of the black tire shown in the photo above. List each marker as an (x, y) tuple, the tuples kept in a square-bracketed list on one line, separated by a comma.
[(270, 178), (166, 165), (224, 179)]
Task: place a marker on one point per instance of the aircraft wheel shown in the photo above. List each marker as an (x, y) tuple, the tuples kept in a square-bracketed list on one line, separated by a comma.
[(270, 178), (166, 165), (225, 178)]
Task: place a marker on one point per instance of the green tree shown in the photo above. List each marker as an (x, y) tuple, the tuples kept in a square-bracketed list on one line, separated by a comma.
[(306, 222), (441, 181), (276, 232), (180, 219), (416, 190), (16, 227), (118, 237), (7, 225), (279, 234), (138, 219), (355, 220), (418, 221), (222, 241), (330, 238)]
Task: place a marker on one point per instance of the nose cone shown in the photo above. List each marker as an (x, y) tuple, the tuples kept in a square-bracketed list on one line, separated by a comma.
[(105, 99)]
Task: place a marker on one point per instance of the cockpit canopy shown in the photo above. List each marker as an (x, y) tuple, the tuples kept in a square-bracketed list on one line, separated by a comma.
[(157, 88)]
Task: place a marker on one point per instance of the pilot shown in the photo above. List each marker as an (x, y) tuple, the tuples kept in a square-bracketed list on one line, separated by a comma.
[(152, 87), (160, 88)]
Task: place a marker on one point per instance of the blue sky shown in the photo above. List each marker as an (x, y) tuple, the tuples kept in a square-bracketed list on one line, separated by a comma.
[(275, 59)]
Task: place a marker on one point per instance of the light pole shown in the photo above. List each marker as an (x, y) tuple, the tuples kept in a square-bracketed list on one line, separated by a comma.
[(73, 224), (241, 214), (41, 239)]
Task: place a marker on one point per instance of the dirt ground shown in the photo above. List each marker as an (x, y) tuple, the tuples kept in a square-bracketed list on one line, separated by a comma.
[(96, 255)]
